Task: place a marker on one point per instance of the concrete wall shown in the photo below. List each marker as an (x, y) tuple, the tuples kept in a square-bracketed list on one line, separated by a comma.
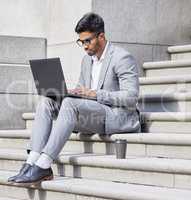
[(23, 18), (17, 90), (146, 28), (63, 16), (51, 19)]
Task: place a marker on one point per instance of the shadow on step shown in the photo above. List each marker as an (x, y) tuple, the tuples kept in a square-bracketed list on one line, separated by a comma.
[(107, 146)]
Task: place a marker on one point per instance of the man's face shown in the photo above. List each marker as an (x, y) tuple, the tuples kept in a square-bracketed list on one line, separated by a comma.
[(90, 42)]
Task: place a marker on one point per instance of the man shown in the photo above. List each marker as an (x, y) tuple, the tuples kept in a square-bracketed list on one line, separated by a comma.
[(109, 74)]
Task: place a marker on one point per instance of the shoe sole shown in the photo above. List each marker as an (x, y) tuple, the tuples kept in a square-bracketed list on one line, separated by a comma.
[(33, 184)]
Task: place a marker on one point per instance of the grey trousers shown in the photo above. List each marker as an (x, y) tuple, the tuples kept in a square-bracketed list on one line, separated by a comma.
[(72, 114)]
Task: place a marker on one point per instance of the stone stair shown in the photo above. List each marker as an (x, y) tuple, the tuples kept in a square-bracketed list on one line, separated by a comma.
[(165, 84), (158, 160), (167, 68), (180, 52), (165, 102), (5, 198), (81, 189), (158, 122), (142, 144), (155, 171)]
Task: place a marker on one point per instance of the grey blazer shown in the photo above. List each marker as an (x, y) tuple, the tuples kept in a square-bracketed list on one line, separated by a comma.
[(118, 89)]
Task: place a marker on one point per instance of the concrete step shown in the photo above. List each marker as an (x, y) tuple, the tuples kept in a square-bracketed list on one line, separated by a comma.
[(17, 94), (167, 102), (157, 122), (180, 52), (7, 198), (16, 79), (75, 188), (165, 84), (21, 49), (172, 173), (167, 68), (142, 144), (12, 106), (167, 122)]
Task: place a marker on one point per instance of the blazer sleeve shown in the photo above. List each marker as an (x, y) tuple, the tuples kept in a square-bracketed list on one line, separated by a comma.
[(127, 75), (81, 80)]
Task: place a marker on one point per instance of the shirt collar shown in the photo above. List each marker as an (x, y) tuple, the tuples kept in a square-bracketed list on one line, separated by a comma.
[(94, 58)]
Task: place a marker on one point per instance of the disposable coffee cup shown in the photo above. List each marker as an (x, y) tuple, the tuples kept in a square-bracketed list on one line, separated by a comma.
[(120, 147)]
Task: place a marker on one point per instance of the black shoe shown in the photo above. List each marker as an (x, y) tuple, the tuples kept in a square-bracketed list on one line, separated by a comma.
[(22, 171), (35, 174)]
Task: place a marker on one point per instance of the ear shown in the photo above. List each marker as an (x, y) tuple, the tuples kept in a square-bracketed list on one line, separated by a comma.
[(102, 36)]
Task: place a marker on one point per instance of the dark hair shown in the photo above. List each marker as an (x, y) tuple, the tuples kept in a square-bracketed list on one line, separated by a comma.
[(90, 22)]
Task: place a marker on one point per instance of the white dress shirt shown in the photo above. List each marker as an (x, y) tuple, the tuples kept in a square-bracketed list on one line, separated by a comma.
[(96, 68)]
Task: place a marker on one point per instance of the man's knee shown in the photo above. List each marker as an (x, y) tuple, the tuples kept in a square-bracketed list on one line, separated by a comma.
[(46, 104), (68, 102), (45, 101)]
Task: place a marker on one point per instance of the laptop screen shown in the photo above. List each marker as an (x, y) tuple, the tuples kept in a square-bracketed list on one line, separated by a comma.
[(48, 76)]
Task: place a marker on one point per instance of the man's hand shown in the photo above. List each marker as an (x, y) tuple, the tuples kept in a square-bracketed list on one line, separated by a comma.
[(83, 91)]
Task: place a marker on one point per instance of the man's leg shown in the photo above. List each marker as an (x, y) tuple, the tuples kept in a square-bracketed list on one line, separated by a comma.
[(70, 111), (45, 112), (75, 113)]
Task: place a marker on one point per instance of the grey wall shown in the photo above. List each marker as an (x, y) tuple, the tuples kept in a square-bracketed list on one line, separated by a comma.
[(17, 90), (61, 37), (146, 28), (23, 18), (51, 19)]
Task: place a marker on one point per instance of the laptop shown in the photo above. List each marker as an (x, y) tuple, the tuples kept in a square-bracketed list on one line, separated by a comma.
[(49, 79)]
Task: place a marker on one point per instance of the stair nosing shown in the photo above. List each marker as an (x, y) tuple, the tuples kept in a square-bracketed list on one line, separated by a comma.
[(175, 96), (146, 164), (13, 65), (139, 138), (158, 116), (179, 49), (165, 79), (167, 64), (107, 189)]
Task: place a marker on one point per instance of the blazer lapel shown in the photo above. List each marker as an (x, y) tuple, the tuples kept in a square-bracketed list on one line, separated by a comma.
[(89, 72), (105, 66)]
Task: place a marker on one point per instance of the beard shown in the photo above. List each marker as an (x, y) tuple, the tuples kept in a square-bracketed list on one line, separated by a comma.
[(90, 53), (93, 51)]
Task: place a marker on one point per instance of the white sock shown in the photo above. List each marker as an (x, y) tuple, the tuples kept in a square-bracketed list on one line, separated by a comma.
[(33, 157), (44, 161)]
